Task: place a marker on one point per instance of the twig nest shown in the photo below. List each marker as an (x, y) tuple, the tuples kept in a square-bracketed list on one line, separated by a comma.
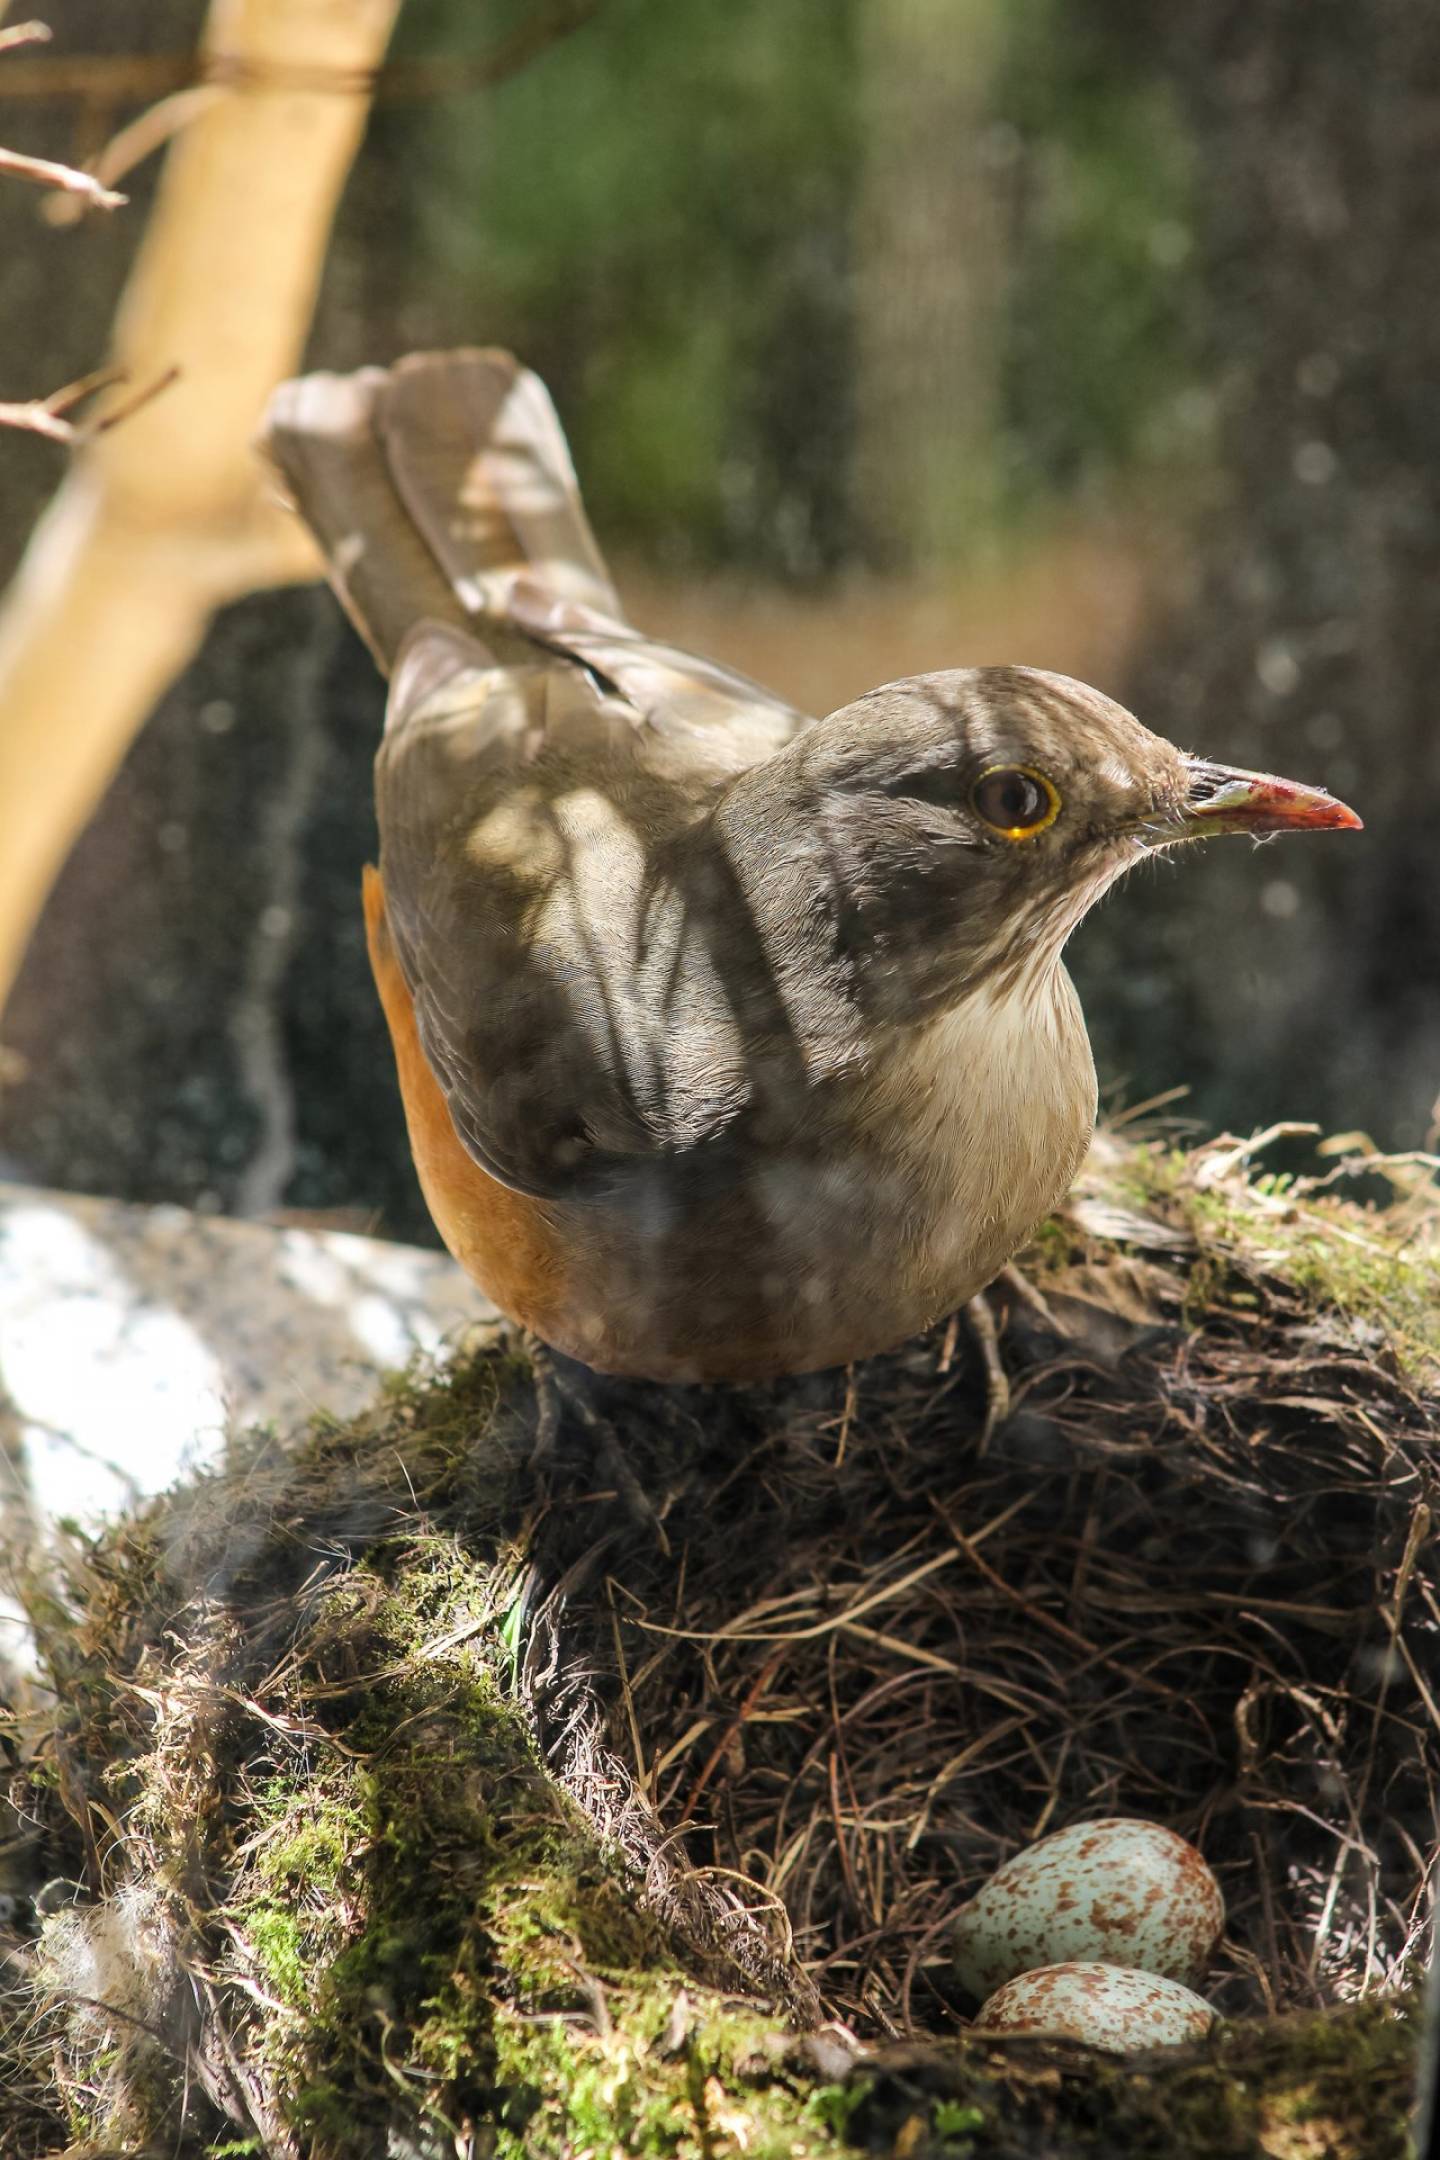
[(1106, 2006), (1108, 1893)]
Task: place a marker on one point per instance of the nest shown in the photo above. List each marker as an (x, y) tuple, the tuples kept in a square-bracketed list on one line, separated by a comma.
[(757, 1696), (1190, 1579)]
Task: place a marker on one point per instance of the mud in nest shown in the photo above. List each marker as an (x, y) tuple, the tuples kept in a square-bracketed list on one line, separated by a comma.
[(396, 1751)]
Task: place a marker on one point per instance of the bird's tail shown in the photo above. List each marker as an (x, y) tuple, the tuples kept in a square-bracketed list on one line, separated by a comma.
[(434, 487)]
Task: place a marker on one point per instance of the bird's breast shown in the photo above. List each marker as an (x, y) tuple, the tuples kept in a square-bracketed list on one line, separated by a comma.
[(896, 1196), (991, 1107), (882, 1203)]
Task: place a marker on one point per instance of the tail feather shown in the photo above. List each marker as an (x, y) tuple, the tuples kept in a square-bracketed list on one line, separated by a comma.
[(484, 469), (319, 433), (434, 488)]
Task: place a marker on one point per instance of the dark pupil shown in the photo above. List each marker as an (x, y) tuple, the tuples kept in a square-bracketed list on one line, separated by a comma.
[(1010, 798)]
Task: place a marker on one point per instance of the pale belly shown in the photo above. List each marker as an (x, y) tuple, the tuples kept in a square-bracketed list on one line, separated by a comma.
[(939, 1169)]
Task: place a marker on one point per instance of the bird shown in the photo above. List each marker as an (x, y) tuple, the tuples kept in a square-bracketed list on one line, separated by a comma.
[(734, 1042)]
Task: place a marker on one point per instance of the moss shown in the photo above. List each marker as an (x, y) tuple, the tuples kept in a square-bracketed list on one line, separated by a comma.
[(275, 1936), (952, 2119), (1254, 2092), (1052, 1247), (1373, 1269), (718, 2090), (418, 1887), (313, 1712)]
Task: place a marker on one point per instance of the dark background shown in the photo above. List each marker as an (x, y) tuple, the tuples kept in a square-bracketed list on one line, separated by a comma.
[(889, 335)]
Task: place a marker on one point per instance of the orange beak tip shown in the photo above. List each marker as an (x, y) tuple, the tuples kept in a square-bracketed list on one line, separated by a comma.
[(1226, 799)]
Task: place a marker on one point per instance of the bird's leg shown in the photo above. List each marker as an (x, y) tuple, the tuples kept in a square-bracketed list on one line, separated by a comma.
[(548, 1408), (980, 1320), (612, 1463), (558, 1390)]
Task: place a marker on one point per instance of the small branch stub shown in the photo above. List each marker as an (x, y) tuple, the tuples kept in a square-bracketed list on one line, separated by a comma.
[(43, 172), (25, 33), (50, 416)]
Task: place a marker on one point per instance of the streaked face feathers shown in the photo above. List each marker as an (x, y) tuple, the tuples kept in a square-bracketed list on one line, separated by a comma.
[(966, 822)]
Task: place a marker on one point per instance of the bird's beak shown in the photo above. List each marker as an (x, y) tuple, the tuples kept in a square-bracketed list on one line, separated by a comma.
[(1225, 799)]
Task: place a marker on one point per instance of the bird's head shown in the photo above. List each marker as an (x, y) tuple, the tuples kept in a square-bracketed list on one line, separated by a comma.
[(961, 824)]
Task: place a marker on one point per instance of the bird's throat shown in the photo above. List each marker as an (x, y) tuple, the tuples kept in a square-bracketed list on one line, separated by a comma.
[(996, 1103)]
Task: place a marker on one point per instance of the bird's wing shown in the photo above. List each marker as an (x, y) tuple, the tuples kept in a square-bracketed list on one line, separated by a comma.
[(573, 983), (695, 716), (570, 948)]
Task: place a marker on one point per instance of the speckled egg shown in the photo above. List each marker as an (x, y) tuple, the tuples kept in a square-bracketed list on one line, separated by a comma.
[(1107, 2006), (1116, 1892)]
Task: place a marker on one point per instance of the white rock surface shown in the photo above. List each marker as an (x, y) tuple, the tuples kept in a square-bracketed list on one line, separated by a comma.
[(132, 1338)]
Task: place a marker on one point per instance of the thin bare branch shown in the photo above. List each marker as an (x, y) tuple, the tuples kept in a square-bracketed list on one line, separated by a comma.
[(43, 172), (32, 416), (25, 33), (157, 125), (117, 414), (49, 416), (138, 78)]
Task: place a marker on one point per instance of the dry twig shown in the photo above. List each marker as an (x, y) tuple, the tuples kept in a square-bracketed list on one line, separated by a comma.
[(49, 416), (117, 79), (26, 33), (43, 172)]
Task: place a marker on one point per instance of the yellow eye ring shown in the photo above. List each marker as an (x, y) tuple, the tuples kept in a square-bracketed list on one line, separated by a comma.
[(1015, 801)]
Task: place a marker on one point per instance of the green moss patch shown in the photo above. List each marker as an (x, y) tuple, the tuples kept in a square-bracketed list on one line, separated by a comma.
[(414, 1799)]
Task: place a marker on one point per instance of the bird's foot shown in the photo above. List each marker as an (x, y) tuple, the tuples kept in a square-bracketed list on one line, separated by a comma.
[(979, 1315), (561, 1388)]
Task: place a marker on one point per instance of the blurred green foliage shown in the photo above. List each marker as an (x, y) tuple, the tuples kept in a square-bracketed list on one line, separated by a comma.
[(659, 210), (654, 212), (1101, 369)]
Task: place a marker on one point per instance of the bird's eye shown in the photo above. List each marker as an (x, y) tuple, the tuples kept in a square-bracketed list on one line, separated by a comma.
[(1017, 802)]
